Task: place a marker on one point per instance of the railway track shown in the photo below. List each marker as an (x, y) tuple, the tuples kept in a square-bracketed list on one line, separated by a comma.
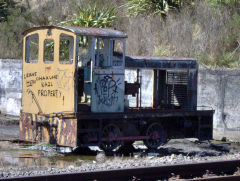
[(219, 178), (192, 171)]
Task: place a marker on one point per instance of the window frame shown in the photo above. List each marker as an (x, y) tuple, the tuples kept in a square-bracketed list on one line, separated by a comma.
[(48, 61), (27, 48), (109, 53), (70, 48), (123, 41)]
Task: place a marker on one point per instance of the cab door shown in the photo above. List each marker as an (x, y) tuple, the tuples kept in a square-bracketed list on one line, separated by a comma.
[(108, 78)]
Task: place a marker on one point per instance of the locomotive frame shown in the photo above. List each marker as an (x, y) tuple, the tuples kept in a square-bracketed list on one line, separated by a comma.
[(75, 92)]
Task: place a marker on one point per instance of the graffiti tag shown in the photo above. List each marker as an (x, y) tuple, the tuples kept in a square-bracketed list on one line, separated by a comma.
[(106, 90), (49, 93), (29, 91), (64, 79), (30, 74)]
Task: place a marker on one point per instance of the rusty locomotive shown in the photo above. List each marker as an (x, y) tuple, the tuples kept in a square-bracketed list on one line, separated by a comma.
[(75, 92)]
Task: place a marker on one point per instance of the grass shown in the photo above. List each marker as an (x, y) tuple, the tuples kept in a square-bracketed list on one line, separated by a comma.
[(208, 34)]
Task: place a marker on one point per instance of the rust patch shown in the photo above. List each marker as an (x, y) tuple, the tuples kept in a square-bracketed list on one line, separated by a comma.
[(25, 127), (52, 130), (48, 69), (68, 133), (29, 156)]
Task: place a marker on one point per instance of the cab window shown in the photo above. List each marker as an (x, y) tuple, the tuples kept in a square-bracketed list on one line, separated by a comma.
[(104, 53), (109, 53), (84, 51), (31, 49), (118, 53), (66, 49), (48, 51)]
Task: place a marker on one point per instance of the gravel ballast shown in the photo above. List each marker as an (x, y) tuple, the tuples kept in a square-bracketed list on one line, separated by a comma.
[(103, 163), (18, 159)]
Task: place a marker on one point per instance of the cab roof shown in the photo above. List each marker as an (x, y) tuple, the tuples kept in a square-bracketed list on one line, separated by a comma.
[(83, 31), (160, 62)]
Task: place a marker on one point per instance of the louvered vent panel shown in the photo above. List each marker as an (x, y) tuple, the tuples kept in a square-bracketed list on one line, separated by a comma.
[(177, 88), (177, 78)]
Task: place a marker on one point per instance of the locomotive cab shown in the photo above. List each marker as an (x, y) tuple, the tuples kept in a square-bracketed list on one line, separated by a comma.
[(101, 74), (69, 70)]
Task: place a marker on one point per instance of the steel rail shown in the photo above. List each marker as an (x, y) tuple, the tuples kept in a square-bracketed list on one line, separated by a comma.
[(218, 178), (189, 170)]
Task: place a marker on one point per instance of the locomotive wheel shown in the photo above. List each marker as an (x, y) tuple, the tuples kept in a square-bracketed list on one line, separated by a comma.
[(157, 136), (110, 132)]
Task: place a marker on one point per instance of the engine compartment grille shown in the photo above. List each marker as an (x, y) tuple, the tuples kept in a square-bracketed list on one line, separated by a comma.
[(177, 88)]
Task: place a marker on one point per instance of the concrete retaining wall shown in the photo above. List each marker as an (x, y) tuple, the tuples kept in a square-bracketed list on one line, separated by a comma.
[(220, 89), (217, 89), (10, 86)]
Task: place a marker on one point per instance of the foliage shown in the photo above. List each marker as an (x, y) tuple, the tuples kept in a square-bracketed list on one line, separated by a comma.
[(162, 7), (5, 5), (153, 7), (232, 39), (3, 10), (64, 50), (229, 59), (216, 3), (92, 16), (10, 36), (48, 50), (231, 56), (162, 50), (207, 30), (210, 35)]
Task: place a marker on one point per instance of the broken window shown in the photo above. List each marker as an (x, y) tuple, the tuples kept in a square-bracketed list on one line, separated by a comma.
[(84, 51), (118, 53), (104, 52), (31, 52), (48, 51), (66, 49)]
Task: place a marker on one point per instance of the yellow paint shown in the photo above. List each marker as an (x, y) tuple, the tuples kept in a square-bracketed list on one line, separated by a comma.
[(20, 126), (58, 129), (46, 134), (56, 94), (48, 91), (45, 163), (30, 134)]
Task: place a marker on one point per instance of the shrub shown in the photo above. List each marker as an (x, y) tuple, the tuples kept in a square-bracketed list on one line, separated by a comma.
[(162, 7), (153, 7), (5, 5), (92, 16), (10, 36)]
